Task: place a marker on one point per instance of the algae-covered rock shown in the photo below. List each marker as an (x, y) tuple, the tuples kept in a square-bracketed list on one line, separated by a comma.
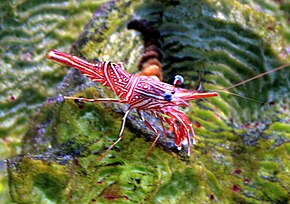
[(243, 148)]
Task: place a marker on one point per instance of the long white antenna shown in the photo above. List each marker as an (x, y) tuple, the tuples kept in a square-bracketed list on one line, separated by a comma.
[(255, 77)]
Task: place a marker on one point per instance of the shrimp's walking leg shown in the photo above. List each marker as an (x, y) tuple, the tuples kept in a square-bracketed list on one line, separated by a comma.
[(153, 129), (120, 134), (95, 100), (151, 147)]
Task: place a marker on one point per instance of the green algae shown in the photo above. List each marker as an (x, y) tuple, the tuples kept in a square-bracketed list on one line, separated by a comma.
[(28, 30), (31, 29), (281, 127), (45, 179), (224, 39), (273, 191), (214, 184)]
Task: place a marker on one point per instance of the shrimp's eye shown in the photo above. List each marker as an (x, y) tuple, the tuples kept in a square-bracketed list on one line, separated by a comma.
[(178, 80), (167, 97)]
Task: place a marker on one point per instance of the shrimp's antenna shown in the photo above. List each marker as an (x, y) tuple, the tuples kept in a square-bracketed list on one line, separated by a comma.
[(225, 90), (244, 97), (255, 77)]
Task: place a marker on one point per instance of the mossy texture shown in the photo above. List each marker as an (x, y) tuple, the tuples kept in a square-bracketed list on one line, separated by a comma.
[(242, 152)]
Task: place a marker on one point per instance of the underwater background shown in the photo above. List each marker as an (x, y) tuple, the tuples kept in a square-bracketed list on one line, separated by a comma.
[(49, 151)]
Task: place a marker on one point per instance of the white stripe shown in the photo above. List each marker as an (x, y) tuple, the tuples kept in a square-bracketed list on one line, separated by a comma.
[(139, 104), (73, 61), (107, 76), (132, 87), (149, 95), (115, 71), (129, 82), (156, 105)]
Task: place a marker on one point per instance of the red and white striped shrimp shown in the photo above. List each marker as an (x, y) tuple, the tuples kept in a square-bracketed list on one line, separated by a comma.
[(143, 93)]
